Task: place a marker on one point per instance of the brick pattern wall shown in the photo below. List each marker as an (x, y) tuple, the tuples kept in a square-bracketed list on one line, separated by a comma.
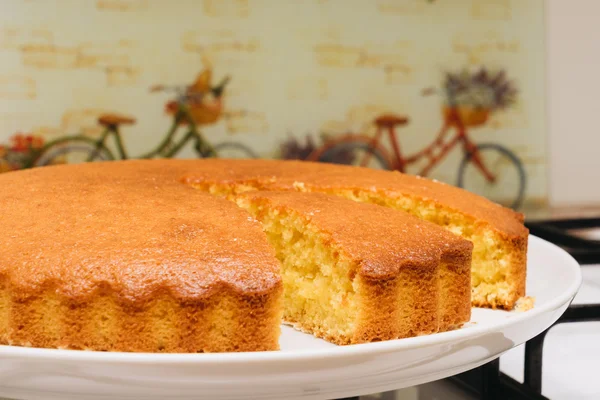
[(296, 67)]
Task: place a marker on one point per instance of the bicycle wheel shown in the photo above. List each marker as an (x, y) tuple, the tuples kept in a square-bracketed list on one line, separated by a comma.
[(234, 150), (72, 151), (354, 153), (509, 186)]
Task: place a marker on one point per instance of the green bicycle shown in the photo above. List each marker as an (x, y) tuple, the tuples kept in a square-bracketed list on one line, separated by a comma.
[(187, 111)]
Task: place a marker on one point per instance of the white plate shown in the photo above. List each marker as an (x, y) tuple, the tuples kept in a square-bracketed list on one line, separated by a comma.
[(306, 367)]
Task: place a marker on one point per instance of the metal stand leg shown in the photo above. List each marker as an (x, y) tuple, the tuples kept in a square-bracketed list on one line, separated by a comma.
[(534, 350), (490, 377)]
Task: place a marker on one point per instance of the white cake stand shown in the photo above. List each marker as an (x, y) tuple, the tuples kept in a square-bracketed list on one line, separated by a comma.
[(305, 367)]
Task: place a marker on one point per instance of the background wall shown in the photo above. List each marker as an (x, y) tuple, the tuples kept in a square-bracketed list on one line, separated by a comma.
[(573, 87), (297, 68)]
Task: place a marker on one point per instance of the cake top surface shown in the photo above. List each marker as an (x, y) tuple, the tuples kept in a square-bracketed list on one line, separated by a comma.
[(126, 226), (276, 175), (379, 239)]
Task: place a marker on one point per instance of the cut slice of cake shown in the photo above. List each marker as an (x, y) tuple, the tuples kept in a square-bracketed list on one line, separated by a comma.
[(356, 273), (498, 234)]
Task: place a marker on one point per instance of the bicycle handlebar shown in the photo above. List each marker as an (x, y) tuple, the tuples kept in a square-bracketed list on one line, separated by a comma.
[(429, 91), (184, 95), (163, 88)]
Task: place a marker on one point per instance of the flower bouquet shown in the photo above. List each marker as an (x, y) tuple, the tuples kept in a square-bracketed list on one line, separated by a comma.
[(21, 152), (473, 96)]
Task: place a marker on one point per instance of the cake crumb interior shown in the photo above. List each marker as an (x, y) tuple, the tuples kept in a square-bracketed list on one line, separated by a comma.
[(321, 294)]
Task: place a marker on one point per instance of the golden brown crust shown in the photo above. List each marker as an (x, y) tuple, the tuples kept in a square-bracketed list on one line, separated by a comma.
[(70, 233), (106, 323), (454, 285), (105, 224), (418, 301)]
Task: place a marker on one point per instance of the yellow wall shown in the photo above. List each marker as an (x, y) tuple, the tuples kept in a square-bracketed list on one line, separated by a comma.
[(297, 66)]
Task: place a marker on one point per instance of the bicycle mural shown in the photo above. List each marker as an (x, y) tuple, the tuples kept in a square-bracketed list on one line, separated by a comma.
[(155, 85), (469, 98), (197, 104)]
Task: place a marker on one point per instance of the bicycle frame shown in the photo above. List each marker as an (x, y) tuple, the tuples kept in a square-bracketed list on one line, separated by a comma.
[(440, 144), (166, 148)]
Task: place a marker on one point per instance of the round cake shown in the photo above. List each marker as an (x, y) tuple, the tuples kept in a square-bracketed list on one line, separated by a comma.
[(177, 256)]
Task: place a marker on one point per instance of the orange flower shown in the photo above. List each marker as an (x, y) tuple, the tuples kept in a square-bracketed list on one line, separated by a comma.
[(34, 142), (22, 143), (18, 142)]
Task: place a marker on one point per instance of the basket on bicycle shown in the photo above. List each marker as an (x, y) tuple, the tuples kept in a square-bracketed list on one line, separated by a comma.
[(472, 96), (201, 114), (204, 103), (467, 115), (206, 114)]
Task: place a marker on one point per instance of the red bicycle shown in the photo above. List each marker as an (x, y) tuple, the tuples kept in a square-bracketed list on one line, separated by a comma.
[(488, 169)]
